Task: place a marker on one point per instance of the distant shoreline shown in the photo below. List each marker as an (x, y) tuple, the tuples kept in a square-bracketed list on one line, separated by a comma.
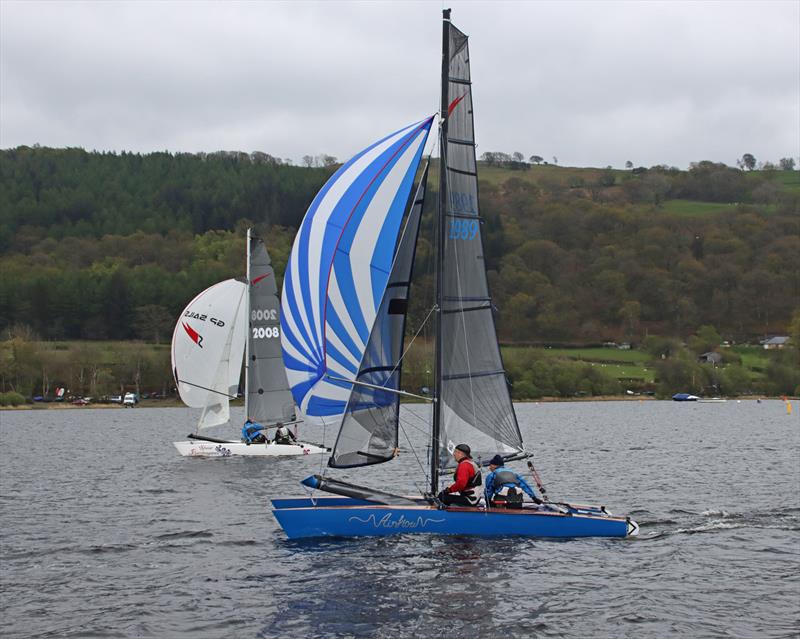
[(176, 404)]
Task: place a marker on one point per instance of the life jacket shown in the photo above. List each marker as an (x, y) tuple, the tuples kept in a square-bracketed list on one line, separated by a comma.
[(250, 432), (507, 488), (469, 492), (503, 477), (283, 436)]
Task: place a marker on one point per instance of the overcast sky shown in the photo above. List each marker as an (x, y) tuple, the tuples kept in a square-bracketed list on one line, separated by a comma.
[(593, 83)]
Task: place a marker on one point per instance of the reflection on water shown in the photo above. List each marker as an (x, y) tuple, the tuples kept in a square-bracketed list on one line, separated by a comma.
[(111, 533)]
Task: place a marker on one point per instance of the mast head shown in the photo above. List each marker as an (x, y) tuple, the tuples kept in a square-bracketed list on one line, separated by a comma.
[(446, 14)]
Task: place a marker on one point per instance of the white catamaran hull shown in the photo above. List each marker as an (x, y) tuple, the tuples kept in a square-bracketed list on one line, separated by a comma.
[(199, 448)]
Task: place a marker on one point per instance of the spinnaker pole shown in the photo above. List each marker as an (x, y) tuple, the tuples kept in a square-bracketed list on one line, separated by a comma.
[(442, 213)]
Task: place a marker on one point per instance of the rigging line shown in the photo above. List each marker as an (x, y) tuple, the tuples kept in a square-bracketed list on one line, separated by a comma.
[(419, 429), (322, 469), (413, 450), (381, 388), (424, 429), (422, 420), (394, 369), (210, 390), (422, 326)]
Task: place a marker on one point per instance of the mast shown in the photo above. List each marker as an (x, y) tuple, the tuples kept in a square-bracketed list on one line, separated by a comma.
[(247, 340), (441, 212)]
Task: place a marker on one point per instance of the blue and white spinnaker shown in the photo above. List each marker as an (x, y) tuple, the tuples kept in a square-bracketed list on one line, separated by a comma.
[(339, 267)]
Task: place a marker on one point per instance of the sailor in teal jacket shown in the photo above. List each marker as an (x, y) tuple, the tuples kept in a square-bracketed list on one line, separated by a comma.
[(251, 433), (505, 487)]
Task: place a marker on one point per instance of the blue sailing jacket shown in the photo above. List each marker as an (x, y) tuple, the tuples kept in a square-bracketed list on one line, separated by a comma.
[(493, 484), (250, 430)]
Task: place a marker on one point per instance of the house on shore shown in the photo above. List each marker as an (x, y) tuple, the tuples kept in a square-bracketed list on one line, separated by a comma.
[(710, 358), (779, 341)]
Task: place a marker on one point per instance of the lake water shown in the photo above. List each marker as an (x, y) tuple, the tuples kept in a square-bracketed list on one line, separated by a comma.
[(106, 532)]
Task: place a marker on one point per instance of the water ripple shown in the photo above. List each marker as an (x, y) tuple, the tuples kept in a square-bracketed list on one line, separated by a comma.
[(115, 541)]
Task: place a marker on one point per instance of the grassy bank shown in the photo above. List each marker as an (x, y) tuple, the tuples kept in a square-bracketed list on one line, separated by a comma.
[(102, 369)]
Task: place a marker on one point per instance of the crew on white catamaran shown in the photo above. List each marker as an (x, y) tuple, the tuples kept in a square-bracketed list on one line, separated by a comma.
[(504, 487), (467, 477), (251, 433), (283, 435)]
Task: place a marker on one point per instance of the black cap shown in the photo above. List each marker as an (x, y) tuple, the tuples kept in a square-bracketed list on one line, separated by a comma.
[(497, 460), (464, 449)]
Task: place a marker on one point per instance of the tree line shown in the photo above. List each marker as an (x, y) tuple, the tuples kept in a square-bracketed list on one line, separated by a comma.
[(516, 161), (112, 246), (29, 368)]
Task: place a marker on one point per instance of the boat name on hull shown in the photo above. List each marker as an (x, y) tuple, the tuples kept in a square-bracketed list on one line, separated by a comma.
[(400, 523)]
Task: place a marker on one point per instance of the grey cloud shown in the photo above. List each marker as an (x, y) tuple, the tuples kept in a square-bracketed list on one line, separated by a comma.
[(593, 83)]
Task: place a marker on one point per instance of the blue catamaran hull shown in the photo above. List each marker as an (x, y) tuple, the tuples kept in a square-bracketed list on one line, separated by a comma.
[(345, 517)]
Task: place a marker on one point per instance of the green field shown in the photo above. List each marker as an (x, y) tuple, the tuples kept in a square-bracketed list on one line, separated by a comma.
[(628, 364), (754, 358), (628, 372), (603, 355), (790, 180), (692, 208), (622, 364), (696, 208), (551, 176)]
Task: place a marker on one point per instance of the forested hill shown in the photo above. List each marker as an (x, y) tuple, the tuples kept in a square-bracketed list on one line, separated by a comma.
[(112, 246)]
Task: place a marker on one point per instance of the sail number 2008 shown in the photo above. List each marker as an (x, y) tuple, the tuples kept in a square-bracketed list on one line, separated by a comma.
[(263, 314), (261, 332), (265, 332)]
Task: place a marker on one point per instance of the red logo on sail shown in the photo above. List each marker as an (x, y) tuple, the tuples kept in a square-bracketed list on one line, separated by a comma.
[(193, 334), (259, 278), (454, 103)]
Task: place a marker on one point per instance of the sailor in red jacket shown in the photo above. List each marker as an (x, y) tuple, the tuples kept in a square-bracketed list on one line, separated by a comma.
[(467, 477)]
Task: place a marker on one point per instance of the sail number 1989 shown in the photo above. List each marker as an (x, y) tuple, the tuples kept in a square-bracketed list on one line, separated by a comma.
[(463, 229)]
